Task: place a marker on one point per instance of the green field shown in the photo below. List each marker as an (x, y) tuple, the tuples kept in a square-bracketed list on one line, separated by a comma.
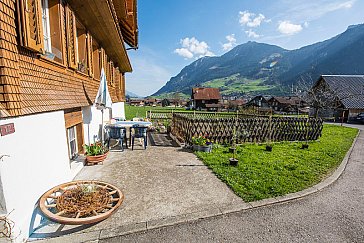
[(140, 111), (288, 168), (236, 84)]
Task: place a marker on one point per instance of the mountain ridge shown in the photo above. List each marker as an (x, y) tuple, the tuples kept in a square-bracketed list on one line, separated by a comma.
[(272, 65)]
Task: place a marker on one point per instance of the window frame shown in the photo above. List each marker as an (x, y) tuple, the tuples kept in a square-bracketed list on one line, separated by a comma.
[(47, 40), (72, 150)]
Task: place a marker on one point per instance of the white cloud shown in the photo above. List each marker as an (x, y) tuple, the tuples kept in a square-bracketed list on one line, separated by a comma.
[(312, 10), (287, 28), (184, 52), (251, 34), (306, 24), (245, 17), (191, 47), (251, 19), (230, 44)]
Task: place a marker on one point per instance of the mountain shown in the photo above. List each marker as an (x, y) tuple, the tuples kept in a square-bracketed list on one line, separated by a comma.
[(253, 67), (132, 95)]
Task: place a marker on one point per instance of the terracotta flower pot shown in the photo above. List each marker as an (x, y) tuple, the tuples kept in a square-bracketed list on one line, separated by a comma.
[(90, 159)]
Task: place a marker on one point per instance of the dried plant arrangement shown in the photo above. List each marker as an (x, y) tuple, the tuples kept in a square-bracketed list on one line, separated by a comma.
[(81, 202)]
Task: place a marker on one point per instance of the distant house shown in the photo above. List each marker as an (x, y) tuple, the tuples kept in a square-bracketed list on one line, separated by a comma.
[(258, 101), (206, 98), (286, 104), (150, 101), (136, 102), (342, 94), (233, 104)]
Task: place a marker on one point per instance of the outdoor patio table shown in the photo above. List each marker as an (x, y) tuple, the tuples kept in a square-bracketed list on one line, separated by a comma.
[(129, 124)]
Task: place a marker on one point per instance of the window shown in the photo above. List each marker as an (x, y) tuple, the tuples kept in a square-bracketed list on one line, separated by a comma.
[(74, 131), (81, 47), (52, 30), (46, 27), (72, 142), (96, 53)]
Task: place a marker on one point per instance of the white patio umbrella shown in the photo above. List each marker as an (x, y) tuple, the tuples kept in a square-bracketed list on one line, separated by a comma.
[(103, 100)]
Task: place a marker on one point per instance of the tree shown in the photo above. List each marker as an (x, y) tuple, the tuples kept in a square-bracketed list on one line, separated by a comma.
[(165, 102), (177, 98), (317, 95)]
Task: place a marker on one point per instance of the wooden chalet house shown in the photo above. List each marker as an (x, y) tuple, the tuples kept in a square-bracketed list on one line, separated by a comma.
[(51, 56), (286, 104), (206, 98), (338, 97), (258, 101)]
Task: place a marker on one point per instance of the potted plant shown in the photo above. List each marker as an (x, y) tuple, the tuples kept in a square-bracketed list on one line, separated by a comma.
[(201, 143), (167, 125), (95, 153)]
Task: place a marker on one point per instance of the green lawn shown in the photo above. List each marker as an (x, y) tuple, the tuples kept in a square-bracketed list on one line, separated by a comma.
[(140, 111), (261, 174)]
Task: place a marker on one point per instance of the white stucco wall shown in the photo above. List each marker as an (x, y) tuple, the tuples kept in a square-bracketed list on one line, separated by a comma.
[(92, 119), (38, 161), (118, 110)]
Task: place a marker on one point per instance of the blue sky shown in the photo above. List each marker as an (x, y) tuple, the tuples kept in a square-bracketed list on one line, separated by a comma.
[(174, 33)]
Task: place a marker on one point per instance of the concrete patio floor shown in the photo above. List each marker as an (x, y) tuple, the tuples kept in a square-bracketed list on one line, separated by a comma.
[(163, 184)]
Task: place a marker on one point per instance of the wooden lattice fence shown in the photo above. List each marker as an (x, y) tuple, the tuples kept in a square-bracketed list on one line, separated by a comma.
[(256, 130), (163, 115)]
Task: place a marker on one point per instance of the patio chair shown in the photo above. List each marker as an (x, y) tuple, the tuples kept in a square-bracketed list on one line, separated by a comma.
[(139, 132), (118, 133)]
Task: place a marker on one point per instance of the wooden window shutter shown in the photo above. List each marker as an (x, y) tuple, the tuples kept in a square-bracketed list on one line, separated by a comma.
[(106, 65), (102, 61), (90, 56), (111, 73), (122, 85), (71, 38), (30, 23)]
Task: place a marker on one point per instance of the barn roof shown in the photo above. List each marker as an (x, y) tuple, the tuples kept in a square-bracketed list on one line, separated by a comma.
[(206, 94), (348, 88)]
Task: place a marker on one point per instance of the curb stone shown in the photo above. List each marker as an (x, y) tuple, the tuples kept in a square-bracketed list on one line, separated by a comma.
[(232, 208)]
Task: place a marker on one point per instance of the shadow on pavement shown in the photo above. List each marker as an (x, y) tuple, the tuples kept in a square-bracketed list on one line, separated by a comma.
[(161, 139)]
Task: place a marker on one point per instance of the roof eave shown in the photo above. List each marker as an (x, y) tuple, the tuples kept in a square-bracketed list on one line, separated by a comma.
[(100, 19)]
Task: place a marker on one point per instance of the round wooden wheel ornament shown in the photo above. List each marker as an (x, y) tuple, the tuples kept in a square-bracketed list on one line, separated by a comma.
[(81, 202)]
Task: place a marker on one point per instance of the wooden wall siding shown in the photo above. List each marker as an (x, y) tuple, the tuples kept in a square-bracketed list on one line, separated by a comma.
[(30, 84), (9, 71), (45, 87), (72, 117)]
